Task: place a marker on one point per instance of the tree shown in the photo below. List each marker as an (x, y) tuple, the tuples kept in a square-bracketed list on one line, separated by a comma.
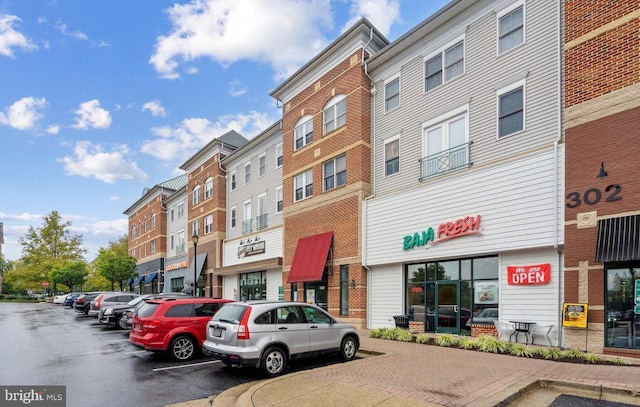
[(45, 247), (115, 264), (5, 265), (71, 273)]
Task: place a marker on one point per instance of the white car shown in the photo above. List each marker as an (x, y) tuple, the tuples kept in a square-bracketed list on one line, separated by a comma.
[(59, 299)]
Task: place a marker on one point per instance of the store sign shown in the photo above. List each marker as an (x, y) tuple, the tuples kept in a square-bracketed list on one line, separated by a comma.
[(523, 275), (574, 315), (469, 225), (251, 247), (181, 265)]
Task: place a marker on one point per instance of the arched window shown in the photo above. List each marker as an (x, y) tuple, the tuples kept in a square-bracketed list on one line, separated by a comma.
[(335, 113)]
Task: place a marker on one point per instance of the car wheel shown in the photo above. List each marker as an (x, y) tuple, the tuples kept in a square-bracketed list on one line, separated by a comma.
[(348, 348), (116, 325), (122, 324), (274, 361), (182, 348)]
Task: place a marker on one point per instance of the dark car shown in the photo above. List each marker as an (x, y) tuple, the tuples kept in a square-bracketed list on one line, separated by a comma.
[(175, 325), (83, 302), (119, 316), (68, 302)]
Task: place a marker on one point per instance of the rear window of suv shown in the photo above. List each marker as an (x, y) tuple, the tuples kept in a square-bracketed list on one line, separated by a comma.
[(231, 313), (148, 309)]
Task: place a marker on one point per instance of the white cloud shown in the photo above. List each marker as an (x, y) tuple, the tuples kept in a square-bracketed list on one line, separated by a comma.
[(236, 89), (155, 108), (62, 27), (90, 160), (182, 142), (91, 115), (10, 38), (20, 216), (217, 29), (23, 114), (381, 13), (53, 129)]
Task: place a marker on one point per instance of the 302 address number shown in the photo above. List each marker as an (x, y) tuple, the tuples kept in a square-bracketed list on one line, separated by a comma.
[(593, 195)]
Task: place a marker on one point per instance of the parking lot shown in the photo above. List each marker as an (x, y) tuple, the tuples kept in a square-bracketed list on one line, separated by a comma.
[(50, 344)]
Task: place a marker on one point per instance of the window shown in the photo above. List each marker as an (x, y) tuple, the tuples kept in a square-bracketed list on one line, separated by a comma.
[(335, 172), (195, 227), (444, 65), (196, 195), (208, 224), (180, 245), (133, 232), (446, 143), (261, 220), (511, 109), (262, 165), (279, 198), (180, 210), (247, 225), (303, 185), (303, 132), (233, 217), (392, 94), (335, 113), (171, 214), (172, 242), (392, 156), (247, 173), (344, 289), (234, 179), (510, 27), (153, 246), (153, 221), (279, 155), (208, 188), (133, 253)]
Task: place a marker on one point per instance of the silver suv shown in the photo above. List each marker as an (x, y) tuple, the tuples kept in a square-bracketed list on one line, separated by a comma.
[(267, 334)]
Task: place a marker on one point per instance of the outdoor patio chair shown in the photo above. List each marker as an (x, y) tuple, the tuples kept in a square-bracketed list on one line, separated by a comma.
[(542, 331), (504, 328)]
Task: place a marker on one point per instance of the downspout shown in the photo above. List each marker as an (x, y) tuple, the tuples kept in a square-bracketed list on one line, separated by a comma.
[(560, 109)]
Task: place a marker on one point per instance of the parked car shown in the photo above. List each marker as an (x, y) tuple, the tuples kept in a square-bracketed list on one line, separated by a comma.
[(82, 303), (268, 334), (110, 298), (486, 316), (68, 302), (175, 325), (112, 316), (59, 299)]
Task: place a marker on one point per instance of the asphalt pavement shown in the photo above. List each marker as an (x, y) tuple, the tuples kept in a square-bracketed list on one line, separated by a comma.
[(391, 373)]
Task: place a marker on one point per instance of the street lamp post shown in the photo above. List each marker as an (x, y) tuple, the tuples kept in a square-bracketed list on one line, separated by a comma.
[(195, 262)]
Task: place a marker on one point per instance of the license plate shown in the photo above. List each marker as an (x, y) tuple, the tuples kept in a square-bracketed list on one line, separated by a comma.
[(138, 327), (217, 332)]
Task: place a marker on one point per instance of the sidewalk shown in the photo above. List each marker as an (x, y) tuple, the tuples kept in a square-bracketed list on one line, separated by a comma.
[(396, 373)]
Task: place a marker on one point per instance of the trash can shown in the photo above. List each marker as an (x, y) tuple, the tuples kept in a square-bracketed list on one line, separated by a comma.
[(402, 321)]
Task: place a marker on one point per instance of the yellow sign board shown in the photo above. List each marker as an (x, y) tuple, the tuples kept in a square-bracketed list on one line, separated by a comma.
[(574, 315)]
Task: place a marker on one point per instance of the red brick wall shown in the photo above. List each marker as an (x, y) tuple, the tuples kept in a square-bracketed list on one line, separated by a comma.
[(145, 233)]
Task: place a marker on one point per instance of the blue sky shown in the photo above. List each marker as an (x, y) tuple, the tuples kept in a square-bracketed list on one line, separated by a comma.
[(100, 99)]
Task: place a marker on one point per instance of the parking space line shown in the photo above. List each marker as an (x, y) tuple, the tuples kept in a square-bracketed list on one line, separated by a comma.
[(158, 369), (133, 352)]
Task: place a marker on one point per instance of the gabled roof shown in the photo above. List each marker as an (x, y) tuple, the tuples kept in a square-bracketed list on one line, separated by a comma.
[(175, 183), (168, 187), (223, 145), (233, 138)]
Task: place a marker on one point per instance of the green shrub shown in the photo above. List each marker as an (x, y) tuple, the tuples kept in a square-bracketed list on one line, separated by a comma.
[(466, 342), (519, 349), (573, 354), (447, 340), (620, 362), (549, 353), (422, 338), (591, 358), (487, 343), (403, 335)]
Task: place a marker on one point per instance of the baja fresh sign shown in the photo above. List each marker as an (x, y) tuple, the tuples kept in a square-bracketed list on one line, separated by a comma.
[(469, 225)]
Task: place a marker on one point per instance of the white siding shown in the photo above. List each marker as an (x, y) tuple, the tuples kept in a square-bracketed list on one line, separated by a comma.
[(230, 287), (274, 282), (385, 291), (273, 248)]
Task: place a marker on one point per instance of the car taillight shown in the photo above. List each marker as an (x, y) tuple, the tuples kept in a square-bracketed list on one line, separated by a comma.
[(243, 327), (150, 324), (98, 301)]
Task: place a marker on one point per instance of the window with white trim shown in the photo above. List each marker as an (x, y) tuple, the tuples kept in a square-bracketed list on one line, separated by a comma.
[(335, 113), (261, 219), (303, 185), (444, 65), (335, 172), (233, 217), (262, 164), (172, 242), (511, 27), (208, 188), (234, 180), (279, 199), (303, 132), (196, 195), (153, 246), (180, 242), (153, 221), (392, 93), (279, 155), (195, 227), (180, 210), (171, 214), (392, 156), (446, 143), (208, 224), (247, 226), (133, 232), (511, 113), (247, 173)]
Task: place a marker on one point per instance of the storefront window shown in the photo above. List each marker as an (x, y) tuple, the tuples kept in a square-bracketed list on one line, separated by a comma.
[(253, 286), (623, 324), (485, 268)]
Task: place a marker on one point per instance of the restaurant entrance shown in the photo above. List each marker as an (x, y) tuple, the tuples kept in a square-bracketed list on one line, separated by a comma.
[(447, 308)]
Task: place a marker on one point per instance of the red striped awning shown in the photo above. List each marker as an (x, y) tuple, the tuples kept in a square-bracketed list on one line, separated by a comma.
[(310, 258)]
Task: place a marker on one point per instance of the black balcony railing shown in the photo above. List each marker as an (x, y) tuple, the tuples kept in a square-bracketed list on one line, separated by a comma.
[(445, 161)]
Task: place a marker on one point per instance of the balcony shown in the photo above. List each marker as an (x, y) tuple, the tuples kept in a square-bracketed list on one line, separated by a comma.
[(247, 226), (445, 161), (180, 248), (261, 221)]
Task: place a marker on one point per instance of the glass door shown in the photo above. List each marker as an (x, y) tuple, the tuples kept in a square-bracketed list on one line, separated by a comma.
[(447, 312)]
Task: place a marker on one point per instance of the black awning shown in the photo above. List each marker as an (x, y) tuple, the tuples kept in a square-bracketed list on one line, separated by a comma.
[(618, 239)]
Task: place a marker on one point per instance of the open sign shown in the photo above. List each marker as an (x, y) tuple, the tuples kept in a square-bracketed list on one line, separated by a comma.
[(524, 275)]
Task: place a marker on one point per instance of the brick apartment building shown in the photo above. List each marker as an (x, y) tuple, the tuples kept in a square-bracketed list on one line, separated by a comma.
[(602, 211)]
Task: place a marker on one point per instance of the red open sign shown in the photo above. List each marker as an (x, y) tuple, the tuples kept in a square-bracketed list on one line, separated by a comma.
[(522, 275)]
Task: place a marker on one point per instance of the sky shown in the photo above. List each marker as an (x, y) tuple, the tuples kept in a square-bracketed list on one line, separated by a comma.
[(101, 99)]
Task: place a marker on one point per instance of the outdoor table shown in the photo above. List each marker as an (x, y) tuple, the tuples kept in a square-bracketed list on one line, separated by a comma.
[(521, 327)]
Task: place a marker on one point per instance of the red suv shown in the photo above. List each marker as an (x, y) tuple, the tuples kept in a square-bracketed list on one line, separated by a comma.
[(175, 325)]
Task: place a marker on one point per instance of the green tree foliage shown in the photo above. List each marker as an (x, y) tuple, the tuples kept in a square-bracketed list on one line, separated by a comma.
[(48, 246), (71, 273), (5, 266), (114, 263)]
